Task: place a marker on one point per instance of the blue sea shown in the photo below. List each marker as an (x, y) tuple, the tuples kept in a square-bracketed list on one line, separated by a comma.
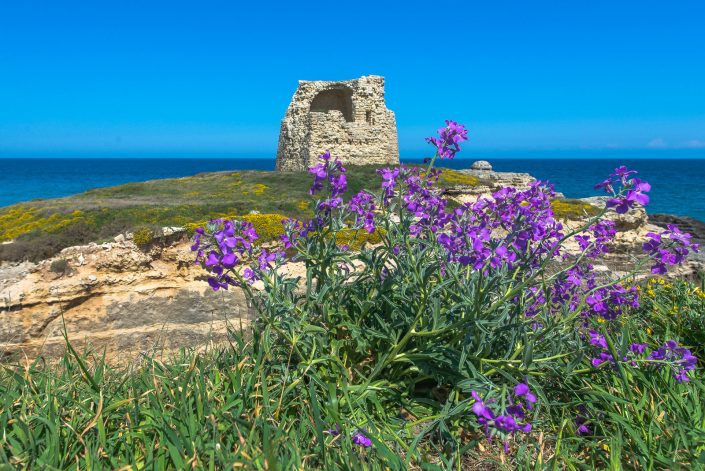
[(678, 185)]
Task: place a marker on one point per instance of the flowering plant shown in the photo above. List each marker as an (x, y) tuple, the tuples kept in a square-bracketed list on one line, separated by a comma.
[(462, 316)]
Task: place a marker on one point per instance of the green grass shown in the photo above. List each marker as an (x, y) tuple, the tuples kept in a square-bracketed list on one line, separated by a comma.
[(222, 409), (248, 406)]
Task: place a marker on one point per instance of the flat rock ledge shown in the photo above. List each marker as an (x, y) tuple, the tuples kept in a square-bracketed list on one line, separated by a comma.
[(117, 299), (488, 182)]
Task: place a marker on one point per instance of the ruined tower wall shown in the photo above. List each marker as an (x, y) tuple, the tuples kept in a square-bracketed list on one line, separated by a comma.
[(348, 118)]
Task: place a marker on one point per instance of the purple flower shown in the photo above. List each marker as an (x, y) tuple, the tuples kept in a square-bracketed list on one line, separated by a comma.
[(362, 205), (601, 358), (582, 428), (319, 173), (583, 241), (636, 190), (514, 417), (216, 284), (480, 409), (637, 348), (212, 259), (523, 390), (266, 258), (450, 137), (632, 190), (389, 181), (680, 359), (294, 230), (622, 172), (229, 260), (359, 438), (610, 301), (607, 185), (249, 275), (597, 339), (332, 172), (668, 248)]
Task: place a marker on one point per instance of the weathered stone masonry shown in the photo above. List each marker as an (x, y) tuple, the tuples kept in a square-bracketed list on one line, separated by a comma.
[(348, 118)]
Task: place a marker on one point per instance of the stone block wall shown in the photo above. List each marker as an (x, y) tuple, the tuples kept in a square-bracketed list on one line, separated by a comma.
[(348, 118)]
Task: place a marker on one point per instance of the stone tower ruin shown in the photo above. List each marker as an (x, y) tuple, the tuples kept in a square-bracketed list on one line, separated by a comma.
[(347, 118)]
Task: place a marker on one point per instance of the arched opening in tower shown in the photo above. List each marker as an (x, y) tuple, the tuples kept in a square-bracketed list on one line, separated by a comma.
[(336, 99)]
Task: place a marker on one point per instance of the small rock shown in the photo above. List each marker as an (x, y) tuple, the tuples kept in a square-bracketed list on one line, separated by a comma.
[(167, 231), (481, 165), (119, 238), (81, 260), (92, 278)]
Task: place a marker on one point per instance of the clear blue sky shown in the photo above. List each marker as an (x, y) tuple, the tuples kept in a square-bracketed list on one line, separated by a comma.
[(143, 77)]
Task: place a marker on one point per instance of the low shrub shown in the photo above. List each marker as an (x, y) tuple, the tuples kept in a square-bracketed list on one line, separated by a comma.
[(355, 239), (454, 177), (59, 266), (20, 220), (268, 226), (574, 210), (468, 323), (674, 307), (143, 236), (38, 245)]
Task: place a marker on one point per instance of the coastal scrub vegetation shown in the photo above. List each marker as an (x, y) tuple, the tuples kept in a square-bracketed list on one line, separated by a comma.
[(41, 228), (567, 209), (464, 337)]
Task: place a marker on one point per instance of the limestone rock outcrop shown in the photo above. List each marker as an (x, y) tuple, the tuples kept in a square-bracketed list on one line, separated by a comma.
[(487, 181), (481, 165), (348, 118), (115, 298)]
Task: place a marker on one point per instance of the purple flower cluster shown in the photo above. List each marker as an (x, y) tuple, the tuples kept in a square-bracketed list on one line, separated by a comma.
[(604, 356), (425, 202), (595, 242), (633, 190), (609, 302), (221, 249), (524, 218), (514, 228), (363, 206), (681, 359), (389, 182), (512, 238), (294, 230), (333, 172), (226, 245), (520, 402), (450, 137), (575, 284), (668, 248)]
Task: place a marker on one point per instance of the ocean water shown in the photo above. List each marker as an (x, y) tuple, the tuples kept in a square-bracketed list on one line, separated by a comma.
[(678, 185)]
